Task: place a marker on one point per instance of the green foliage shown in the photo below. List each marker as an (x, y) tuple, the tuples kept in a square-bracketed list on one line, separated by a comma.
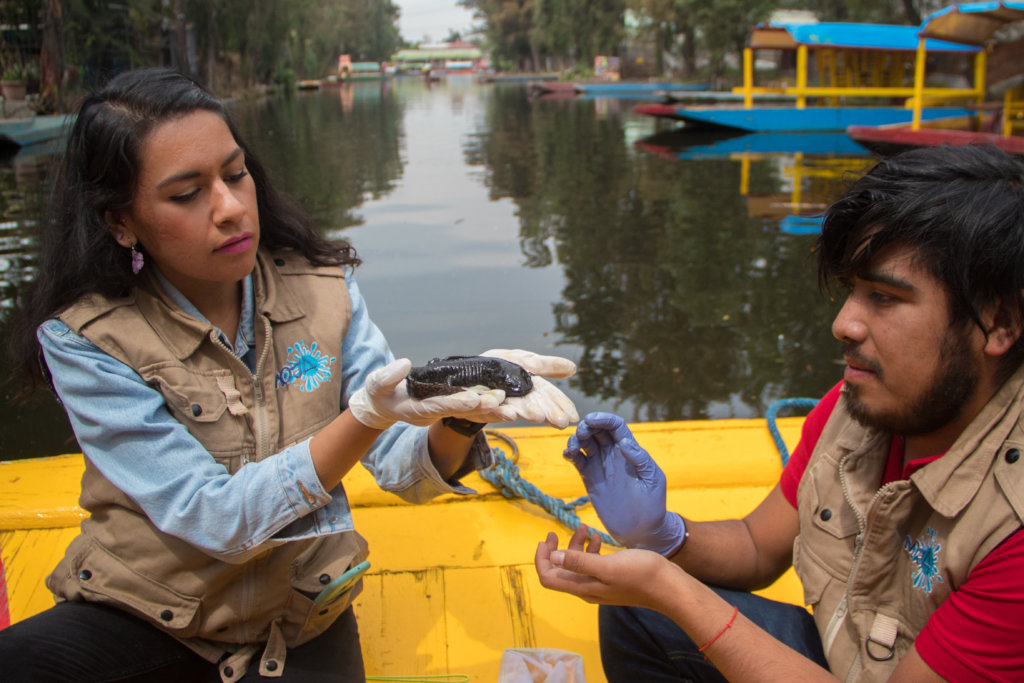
[(252, 41)]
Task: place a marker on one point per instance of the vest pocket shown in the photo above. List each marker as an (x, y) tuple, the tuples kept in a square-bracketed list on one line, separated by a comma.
[(208, 403), (103, 578)]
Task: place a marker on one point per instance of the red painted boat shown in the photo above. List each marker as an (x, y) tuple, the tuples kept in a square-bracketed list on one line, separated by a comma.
[(897, 138)]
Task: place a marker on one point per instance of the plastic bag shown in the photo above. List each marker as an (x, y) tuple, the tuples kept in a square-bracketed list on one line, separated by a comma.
[(540, 665)]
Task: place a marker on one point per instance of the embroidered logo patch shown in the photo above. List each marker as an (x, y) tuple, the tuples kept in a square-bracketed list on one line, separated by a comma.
[(925, 554), (306, 367)]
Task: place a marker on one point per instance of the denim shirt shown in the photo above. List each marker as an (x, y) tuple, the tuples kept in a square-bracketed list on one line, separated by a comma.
[(184, 491)]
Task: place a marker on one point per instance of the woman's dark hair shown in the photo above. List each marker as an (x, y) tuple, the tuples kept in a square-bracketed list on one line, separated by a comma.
[(98, 173), (961, 209)]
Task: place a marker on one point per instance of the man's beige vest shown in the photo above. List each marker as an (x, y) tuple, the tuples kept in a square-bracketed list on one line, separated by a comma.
[(876, 562), (302, 314)]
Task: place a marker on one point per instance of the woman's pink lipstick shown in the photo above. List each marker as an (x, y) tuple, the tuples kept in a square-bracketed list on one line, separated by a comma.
[(236, 244)]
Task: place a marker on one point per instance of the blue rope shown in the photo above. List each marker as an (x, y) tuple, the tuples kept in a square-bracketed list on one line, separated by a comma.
[(504, 474), (771, 414)]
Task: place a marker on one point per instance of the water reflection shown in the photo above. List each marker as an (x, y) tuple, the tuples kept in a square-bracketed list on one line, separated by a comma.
[(489, 219)]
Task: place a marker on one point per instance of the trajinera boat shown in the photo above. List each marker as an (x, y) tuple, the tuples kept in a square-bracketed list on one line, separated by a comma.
[(846, 73), (451, 585)]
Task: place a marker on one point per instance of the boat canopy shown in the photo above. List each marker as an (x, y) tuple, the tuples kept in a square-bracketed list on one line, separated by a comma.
[(970, 23), (784, 36)]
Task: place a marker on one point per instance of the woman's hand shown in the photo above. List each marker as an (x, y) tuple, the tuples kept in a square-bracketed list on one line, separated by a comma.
[(545, 403), (383, 400), (626, 577)]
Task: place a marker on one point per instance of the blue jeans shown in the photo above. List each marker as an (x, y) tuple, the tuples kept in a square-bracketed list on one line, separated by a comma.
[(638, 644)]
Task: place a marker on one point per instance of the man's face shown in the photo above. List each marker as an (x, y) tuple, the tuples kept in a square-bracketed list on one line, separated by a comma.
[(909, 370)]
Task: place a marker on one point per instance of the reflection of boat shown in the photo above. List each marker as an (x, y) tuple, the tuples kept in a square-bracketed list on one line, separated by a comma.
[(862, 72), (33, 130), (446, 602), (687, 146), (814, 166), (973, 24)]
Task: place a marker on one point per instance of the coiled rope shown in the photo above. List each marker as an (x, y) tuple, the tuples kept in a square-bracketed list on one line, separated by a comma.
[(504, 474)]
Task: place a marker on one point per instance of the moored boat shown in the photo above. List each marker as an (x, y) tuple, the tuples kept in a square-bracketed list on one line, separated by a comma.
[(846, 74), (452, 583), (32, 130), (995, 123)]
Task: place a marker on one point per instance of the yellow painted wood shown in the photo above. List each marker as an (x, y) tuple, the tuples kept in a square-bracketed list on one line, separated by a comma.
[(452, 583), (28, 556)]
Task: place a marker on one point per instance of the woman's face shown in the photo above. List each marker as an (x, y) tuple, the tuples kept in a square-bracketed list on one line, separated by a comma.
[(194, 208)]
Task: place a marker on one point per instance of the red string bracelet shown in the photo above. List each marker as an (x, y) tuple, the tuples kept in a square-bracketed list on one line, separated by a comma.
[(735, 611)]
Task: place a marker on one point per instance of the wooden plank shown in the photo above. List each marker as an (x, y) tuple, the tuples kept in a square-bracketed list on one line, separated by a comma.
[(452, 583)]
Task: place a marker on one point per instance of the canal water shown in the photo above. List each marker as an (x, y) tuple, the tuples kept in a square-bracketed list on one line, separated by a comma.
[(674, 267)]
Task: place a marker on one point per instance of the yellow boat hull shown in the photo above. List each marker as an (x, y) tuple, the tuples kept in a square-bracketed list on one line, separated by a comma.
[(452, 584)]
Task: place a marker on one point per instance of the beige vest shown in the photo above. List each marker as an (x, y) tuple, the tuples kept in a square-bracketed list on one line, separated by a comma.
[(875, 563), (122, 559)]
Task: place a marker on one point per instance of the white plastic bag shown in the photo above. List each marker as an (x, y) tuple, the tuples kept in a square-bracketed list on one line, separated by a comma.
[(540, 665)]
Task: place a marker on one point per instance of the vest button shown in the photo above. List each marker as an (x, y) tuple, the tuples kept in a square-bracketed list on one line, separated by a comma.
[(167, 615), (1012, 455), (826, 515), (228, 671), (325, 579), (85, 575), (271, 665), (279, 262), (197, 410)]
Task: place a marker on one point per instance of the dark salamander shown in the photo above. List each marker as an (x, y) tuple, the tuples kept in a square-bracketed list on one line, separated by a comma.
[(454, 373)]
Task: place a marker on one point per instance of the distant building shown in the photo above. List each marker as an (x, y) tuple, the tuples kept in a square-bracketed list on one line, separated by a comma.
[(439, 57)]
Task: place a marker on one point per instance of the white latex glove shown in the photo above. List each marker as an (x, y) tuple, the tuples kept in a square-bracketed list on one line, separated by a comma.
[(383, 400), (545, 403)]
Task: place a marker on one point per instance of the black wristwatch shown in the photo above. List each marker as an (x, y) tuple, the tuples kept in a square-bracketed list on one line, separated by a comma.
[(464, 427)]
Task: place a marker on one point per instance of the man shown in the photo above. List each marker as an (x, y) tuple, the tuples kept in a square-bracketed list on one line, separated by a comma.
[(901, 507)]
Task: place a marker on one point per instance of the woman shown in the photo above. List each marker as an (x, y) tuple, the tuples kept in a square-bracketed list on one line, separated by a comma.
[(205, 341)]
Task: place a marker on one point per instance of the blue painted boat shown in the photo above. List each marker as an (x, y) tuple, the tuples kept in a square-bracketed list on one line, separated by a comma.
[(33, 130), (846, 74), (994, 123), (706, 147), (638, 89), (768, 119)]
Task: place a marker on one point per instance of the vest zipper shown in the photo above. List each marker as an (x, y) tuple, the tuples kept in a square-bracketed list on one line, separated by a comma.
[(832, 630), (259, 417), (260, 421)]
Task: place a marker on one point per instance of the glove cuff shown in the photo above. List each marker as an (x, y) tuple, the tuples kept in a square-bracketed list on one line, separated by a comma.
[(668, 538)]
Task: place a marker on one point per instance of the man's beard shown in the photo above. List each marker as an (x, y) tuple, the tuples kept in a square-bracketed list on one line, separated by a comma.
[(937, 405)]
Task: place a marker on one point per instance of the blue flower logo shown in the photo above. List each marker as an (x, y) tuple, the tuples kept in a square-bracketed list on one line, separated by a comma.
[(306, 367), (925, 554)]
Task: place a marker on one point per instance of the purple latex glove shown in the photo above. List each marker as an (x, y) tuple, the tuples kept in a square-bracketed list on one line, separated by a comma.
[(625, 485)]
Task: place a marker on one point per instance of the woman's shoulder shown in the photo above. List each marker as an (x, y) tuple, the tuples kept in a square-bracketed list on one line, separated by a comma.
[(289, 261), (94, 306)]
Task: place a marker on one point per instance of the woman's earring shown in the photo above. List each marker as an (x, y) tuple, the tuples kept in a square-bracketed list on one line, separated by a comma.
[(137, 260)]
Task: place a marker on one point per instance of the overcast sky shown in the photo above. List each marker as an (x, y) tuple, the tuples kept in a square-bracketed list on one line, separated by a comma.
[(432, 18)]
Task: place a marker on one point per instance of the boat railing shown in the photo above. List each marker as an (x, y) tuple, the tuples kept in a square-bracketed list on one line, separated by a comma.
[(1013, 111)]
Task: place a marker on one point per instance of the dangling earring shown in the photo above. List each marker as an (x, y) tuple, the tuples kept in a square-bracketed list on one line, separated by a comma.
[(137, 260)]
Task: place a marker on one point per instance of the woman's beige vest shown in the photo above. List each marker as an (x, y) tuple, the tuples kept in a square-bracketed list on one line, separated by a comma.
[(876, 562), (122, 559)]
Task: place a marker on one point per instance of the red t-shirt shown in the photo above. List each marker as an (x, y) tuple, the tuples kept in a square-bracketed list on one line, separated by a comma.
[(975, 635)]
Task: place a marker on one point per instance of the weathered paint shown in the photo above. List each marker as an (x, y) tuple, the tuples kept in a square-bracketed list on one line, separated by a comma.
[(452, 583)]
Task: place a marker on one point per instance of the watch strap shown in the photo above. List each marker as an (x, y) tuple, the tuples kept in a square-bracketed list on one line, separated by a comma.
[(464, 427)]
